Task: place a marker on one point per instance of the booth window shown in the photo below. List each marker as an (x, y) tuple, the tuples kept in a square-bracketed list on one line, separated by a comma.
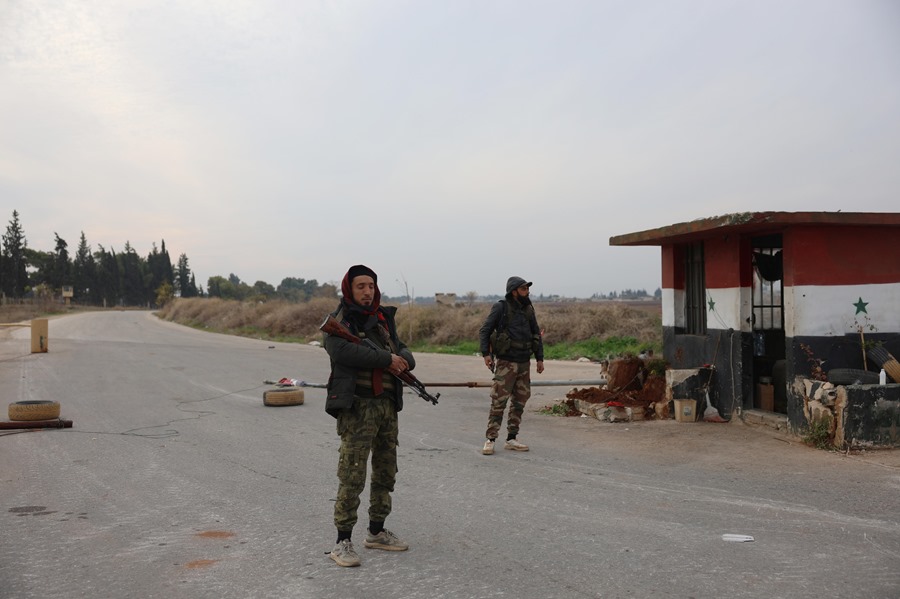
[(694, 290), (768, 306)]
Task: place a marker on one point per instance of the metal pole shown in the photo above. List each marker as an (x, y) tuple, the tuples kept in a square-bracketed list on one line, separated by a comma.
[(471, 384), (534, 383)]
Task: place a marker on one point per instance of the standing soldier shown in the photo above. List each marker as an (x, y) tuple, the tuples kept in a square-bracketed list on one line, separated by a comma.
[(365, 397), (510, 333)]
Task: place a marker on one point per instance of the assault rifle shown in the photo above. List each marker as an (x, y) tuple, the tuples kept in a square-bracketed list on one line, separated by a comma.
[(332, 326)]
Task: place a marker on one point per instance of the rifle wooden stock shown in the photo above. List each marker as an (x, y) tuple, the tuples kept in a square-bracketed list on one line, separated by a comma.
[(332, 326)]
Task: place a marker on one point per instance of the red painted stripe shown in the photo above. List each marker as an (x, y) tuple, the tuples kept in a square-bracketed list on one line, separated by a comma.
[(813, 255), (841, 256), (672, 267), (722, 257)]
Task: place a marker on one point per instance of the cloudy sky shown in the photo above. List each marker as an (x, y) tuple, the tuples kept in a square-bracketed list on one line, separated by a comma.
[(446, 144)]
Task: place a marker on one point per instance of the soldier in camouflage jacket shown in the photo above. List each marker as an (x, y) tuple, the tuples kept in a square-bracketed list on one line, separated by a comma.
[(364, 396)]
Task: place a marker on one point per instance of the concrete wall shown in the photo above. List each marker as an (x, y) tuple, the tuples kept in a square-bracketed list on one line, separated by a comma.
[(858, 416)]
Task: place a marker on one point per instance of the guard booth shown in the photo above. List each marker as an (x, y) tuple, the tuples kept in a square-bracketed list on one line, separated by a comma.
[(68, 292), (779, 303)]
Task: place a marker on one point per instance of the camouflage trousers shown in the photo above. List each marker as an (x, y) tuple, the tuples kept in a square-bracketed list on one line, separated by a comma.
[(370, 426), (512, 380)]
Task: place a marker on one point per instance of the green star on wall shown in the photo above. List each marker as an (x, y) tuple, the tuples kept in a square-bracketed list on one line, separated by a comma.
[(712, 304), (861, 306)]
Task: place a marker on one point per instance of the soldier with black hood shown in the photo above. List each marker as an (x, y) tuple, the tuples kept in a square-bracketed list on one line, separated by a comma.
[(510, 333), (364, 397)]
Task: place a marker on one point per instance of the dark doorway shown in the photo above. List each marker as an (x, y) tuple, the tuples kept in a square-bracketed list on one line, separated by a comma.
[(767, 318)]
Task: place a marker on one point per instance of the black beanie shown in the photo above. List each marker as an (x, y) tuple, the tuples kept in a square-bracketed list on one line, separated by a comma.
[(359, 270)]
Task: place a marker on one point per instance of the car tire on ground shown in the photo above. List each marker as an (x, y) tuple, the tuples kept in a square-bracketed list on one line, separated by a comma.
[(283, 396), (852, 376), (34, 410)]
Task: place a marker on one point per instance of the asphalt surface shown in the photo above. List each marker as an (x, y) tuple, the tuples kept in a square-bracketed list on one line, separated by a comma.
[(176, 481)]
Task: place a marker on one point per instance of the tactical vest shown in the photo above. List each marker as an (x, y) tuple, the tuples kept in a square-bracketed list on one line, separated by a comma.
[(500, 340)]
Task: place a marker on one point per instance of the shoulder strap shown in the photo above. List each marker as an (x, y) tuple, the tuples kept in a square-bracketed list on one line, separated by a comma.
[(504, 317)]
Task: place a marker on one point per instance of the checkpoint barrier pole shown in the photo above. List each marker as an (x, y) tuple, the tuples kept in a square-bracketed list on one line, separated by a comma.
[(534, 383), (472, 384), (39, 334)]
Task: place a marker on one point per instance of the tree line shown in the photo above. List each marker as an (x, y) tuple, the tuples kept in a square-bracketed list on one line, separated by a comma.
[(104, 277), (628, 294)]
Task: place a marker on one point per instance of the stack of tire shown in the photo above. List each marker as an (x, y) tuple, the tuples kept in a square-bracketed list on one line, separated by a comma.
[(286, 395), (852, 376), (883, 359), (879, 358), (30, 411)]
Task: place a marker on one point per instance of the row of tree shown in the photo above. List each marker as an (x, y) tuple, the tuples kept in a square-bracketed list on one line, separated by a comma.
[(109, 278), (290, 289), (101, 277)]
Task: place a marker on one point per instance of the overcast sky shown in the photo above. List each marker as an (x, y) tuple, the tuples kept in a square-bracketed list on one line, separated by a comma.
[(445, 144)]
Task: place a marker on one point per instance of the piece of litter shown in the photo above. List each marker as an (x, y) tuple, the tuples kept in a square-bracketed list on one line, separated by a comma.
[(737, 538)]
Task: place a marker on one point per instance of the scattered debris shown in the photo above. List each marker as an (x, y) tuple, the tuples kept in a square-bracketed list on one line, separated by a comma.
[(737, 538)]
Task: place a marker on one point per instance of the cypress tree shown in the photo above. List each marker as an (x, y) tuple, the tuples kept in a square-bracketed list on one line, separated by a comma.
[(13, 268)]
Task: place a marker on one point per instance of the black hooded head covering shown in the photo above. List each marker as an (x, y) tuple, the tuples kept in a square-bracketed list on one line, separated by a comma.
[(347, 284), (515, 283)]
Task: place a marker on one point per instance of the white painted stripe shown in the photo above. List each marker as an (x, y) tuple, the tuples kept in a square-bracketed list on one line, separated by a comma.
[(728, 307), (829, 310), (673, 307), (725, 312), (809, 310)]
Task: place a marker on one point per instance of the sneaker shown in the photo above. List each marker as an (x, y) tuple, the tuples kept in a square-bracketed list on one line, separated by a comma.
[(385, 540), (515, 445), (344, 555), (488, 448)]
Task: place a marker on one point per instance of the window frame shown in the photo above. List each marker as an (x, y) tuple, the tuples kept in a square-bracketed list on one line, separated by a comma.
[(694, 289)]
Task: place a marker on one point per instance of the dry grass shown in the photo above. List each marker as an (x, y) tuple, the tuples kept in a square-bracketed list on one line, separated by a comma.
[(275, 319), (434, 325), (16, 312)]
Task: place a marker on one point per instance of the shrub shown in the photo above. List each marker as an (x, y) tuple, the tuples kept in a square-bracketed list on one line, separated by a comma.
[(819, 434)]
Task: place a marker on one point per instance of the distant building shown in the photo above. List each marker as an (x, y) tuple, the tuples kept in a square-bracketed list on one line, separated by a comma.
[(447, 299)]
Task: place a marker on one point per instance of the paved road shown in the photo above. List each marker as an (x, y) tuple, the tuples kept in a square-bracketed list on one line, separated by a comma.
[(176, 481)]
